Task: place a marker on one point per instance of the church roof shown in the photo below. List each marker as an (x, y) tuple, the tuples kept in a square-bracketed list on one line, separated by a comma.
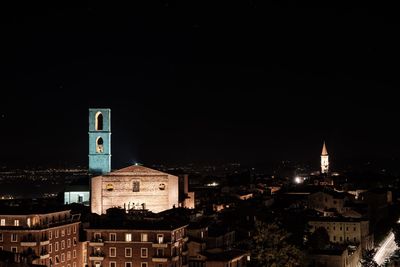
[(136, 170), (324, 150)]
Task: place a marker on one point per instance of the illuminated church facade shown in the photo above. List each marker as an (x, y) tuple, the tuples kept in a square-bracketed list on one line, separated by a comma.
[(133, 187)]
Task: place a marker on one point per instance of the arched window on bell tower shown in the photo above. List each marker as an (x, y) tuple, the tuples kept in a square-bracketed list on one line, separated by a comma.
[(99, 121), (99, 145)]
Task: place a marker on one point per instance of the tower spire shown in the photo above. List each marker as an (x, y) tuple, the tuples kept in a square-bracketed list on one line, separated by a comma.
[(324, 159), (324, 150)]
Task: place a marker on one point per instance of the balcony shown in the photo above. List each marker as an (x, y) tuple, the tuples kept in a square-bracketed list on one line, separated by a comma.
[(28, 243), (159, 245), (98, 242), (176, 258), (97, 256), (44, 256), (44, 242), (160, 259)]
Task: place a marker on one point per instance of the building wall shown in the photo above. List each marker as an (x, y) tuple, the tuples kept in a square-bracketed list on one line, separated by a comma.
[(173, 246), (346, 232), (122, 195), (321, 200), (58, 242)]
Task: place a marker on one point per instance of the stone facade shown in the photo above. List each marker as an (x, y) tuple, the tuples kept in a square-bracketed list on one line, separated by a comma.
[(134, 187), (345, 230)]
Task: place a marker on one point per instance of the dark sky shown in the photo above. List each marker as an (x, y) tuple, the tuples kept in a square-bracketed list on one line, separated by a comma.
[(200, 81)]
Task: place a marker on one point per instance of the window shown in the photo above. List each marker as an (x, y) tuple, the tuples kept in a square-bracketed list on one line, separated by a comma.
[(341, 239), (68, 230), (74, 229), (68, 255), (354, 229), (3, 222), (99, 121), (68, 242), (334, 238), (57, 259), (113, 237), (1, 237), (74, 253), (160, 238), (14, 249), (99, 145), (355, 239), (74, 264), (113, 252), (143, 238), (347, 228), (63, 232), (16, 222), (50, 235), (74, 241), (128, 264), (143, 252), (160, 252), (50, 248), (97, 236), (112, 264), (56, 233), (135, 186), (63, 244), (143, 264), (334, 228), (341, 228), (128, 237), (128, 252), (56, 246), (14, 237), (62, 257), (28, 222)]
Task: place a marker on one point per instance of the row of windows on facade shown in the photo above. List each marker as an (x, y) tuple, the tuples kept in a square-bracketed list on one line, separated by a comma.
[(129, 264), (14, 238), (144, 252), (68, 265), (15, 250), (17, 222), (340, 228), (128, 237), (347, 239), (58, 259)]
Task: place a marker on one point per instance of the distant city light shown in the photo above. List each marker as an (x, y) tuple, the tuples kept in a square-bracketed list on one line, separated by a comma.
[(298, 180), (213, 184)]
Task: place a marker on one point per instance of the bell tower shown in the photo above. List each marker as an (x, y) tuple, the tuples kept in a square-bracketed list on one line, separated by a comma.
[(324, 160), (99, 140)]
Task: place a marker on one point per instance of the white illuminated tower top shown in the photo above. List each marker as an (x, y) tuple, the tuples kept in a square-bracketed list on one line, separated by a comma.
[(324, 160)]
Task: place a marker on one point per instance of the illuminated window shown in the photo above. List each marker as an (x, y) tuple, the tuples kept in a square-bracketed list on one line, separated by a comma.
[(16, 222), (99, 121), (135, 186), (3, 222), (160, 238), (128, 237), (143, 237), (99, 145)]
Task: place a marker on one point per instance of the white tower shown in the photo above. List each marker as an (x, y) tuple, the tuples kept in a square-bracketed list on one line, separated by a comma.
[(324, 160)]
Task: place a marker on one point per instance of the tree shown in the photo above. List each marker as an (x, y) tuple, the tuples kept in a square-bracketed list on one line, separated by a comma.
[(319, 239), (271, 249)]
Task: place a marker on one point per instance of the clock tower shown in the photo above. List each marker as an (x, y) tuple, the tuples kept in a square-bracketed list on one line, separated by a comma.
[(324, 160), (99, 140)]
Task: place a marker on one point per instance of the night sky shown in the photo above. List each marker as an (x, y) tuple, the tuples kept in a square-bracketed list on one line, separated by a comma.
[(243, 81)]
